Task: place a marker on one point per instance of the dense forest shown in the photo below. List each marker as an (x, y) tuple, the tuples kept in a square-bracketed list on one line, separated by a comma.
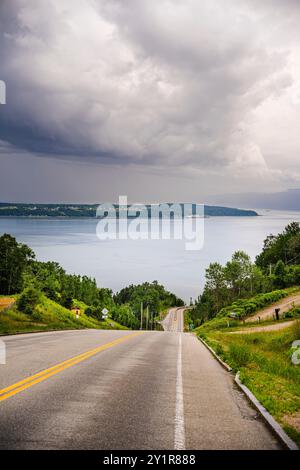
[(21, 273), (275, 268)]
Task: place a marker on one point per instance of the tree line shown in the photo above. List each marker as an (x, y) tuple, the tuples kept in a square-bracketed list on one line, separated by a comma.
[(276, 267), (20, 272)]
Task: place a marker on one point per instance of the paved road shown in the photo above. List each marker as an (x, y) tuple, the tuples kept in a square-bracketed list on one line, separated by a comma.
[(174, 320), (132, 390), (258, 329)]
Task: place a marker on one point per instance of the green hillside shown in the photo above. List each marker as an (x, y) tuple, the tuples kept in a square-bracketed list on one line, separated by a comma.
[(48, 315)]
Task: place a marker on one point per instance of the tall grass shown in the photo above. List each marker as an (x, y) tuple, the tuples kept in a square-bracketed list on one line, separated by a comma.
[(239, 354), (264, 360), (295, 330)]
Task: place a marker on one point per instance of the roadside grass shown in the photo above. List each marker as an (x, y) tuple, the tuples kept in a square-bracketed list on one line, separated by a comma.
[(266, 368), (107, 324), (229, 324), (48, 315)]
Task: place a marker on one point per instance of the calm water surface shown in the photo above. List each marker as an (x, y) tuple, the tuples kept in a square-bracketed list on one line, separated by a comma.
[(117, 263)]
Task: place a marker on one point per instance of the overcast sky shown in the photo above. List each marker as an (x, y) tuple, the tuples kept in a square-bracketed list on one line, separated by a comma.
[(158, 100)]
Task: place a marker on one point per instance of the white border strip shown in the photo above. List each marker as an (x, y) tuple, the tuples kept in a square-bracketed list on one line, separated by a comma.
[(179, 437)]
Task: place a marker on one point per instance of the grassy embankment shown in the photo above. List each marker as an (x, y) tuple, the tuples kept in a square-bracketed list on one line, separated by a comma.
[(264, 360), (48, 315)]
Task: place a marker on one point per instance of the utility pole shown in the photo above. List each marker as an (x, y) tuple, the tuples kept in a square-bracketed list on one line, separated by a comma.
[(141, 316), (147, 324)]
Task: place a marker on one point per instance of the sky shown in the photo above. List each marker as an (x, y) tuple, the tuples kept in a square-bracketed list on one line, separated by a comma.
[(161, 100)]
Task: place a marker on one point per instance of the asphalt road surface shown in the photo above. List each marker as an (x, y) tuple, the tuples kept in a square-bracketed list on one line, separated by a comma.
[(174, 320), (94, 389)]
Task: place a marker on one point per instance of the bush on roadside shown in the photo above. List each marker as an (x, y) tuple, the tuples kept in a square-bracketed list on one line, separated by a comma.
[(88, 312), (94, 312), (245, 307), (294, 313), (28, 300)]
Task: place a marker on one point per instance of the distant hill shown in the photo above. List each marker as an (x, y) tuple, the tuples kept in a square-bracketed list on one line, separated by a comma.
[(89, 210), (217, 211), (285, 200)]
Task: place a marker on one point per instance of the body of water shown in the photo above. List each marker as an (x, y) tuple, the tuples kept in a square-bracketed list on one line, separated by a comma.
[(117, 263)]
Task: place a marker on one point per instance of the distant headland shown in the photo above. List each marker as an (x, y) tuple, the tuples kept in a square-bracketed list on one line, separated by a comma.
[(90, 210)]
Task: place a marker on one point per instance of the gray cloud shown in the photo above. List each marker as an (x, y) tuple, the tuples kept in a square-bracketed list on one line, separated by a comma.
[(181, 85)]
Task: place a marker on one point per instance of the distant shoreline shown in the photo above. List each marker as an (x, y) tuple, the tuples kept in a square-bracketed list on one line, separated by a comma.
[(66, 217), (85, 211)]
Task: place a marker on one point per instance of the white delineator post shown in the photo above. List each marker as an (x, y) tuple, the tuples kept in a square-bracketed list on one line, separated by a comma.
[(2, 92), (2, 352)]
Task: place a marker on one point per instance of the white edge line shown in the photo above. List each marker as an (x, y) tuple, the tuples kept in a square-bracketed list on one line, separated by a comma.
[(179, 437)]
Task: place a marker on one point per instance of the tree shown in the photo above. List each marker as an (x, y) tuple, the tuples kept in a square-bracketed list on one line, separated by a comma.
[(123, 314), (14, 259), (279, 274), (238, 273), (216, 285), (152, 295), (28, 300), (66, 300), (285, 247), (293, 249)]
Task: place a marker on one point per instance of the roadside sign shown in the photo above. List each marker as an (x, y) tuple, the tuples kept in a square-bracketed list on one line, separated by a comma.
[(233, 315), (105, 313)]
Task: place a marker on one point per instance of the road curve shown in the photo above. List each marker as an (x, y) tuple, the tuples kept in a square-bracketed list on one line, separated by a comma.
[(94, 389), (174, 320)]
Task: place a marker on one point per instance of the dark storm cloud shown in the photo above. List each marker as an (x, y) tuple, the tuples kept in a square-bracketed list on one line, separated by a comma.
[(167, 84)]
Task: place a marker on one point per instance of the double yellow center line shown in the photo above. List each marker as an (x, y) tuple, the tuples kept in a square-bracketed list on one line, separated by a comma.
[(45, 374)]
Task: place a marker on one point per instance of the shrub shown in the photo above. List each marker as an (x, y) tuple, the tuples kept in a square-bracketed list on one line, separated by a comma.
[(294, 313), (66, 300), (244, 307), (88, 312), (28, 300), (94, 312)]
